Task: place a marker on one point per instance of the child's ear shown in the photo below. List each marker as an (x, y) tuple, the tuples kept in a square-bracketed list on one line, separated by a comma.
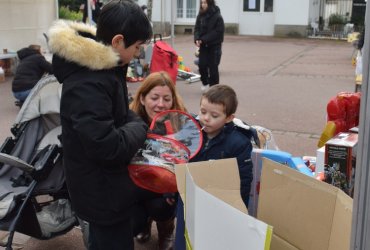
[(117, 41), (230, 118)]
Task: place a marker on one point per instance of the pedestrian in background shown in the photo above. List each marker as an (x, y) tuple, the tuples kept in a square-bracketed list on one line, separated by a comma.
[(31, 68), (208, 36)]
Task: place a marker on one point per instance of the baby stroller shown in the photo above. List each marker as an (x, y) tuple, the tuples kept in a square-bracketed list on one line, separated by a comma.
[(33, 194)]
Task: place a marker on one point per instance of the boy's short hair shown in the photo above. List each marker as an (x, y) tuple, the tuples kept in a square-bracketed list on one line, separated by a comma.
[(224, 95), (123, 17)]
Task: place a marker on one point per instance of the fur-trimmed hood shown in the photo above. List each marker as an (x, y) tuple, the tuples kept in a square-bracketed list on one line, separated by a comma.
[(75, 42)]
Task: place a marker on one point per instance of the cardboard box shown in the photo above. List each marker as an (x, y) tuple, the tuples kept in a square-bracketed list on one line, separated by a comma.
[(304, 212), (257, 155), (215, 215), (339, 154)]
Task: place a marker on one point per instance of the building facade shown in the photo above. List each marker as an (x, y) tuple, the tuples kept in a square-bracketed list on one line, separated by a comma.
[(251, 17), (23, 22)]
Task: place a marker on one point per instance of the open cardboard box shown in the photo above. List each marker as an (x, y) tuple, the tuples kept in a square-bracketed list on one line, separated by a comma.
[(305, 213), (215, 215)]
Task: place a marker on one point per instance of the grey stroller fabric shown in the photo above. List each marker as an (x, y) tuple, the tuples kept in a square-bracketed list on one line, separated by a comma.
[(40, 114), (24, 151), (56, 217)]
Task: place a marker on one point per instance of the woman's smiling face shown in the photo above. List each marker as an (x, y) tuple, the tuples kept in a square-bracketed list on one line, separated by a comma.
[(158, 99)]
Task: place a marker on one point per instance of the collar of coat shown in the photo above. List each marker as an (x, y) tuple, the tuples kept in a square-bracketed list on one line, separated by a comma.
[(66, 41)]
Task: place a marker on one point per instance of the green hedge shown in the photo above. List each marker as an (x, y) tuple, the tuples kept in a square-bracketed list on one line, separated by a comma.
[(66, 13), (336, 19)]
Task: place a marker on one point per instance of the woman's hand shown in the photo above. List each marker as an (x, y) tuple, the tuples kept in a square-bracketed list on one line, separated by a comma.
[(171, 201), (198, 42), (171, 198)]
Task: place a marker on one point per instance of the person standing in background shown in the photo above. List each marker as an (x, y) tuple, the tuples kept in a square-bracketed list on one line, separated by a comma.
[(31, 68), (208, 36)]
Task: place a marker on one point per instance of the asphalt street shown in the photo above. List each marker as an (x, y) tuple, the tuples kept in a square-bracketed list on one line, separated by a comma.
[(283, 84)]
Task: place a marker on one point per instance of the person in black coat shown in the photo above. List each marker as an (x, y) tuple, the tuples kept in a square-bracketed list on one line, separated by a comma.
[(100, 135), (31, 68), (208, 36)]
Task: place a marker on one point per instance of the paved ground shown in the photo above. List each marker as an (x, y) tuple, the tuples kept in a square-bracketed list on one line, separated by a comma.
[(282, 84)]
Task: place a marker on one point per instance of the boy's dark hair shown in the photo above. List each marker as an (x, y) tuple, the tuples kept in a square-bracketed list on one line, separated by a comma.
[(224, 95), (123, 17)]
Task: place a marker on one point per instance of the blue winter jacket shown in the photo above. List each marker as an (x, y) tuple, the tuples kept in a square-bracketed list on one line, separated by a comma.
[(231, 142)]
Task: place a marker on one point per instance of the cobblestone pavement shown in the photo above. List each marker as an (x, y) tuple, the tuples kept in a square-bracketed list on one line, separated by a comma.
[(282, 84)]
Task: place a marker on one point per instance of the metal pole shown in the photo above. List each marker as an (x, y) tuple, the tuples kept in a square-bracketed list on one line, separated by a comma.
[(173, 11), (89, 12), (361, 202), (56, 9)]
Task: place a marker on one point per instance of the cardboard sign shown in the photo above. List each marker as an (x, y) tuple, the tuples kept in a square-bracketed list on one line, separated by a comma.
[(305, 213), (215, 215)]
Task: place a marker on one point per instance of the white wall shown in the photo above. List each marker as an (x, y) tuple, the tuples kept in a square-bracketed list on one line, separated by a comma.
[(229, 10), (314, 11), (293, 12), (23, 22)]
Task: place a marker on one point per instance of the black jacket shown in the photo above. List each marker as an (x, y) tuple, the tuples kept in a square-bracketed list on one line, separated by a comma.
[(31, 68), (231, 142), (209, 27), (100, 134)]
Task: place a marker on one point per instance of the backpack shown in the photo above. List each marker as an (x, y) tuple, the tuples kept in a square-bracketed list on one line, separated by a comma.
[(164, 58)]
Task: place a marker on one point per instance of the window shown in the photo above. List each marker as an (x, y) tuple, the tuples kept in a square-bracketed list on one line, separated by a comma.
[(180, 8), (191, 7), (186, 8), (255, 5), (251, 5), (269, 5)]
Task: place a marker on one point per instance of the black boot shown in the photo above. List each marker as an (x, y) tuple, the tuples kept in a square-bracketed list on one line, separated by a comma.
[(145, 235), (165, 234)]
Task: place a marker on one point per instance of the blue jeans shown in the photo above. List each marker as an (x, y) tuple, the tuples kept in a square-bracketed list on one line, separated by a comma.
[(21, 95), (180, 226)]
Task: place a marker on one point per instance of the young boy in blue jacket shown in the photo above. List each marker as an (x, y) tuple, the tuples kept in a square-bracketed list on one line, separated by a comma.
[(222, 139)]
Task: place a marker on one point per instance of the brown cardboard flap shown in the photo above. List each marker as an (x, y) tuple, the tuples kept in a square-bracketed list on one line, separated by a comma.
[(302, 210), (278, 243), (180, 171), (210, 176), (342, 222)]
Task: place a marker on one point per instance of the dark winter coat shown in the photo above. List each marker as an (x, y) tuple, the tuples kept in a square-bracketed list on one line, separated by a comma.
[(31, 68), (231, 142), (209, 27), (100, 134)]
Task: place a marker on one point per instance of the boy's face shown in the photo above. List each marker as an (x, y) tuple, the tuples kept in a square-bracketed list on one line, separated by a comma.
[(126, 54), (212, 117)]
